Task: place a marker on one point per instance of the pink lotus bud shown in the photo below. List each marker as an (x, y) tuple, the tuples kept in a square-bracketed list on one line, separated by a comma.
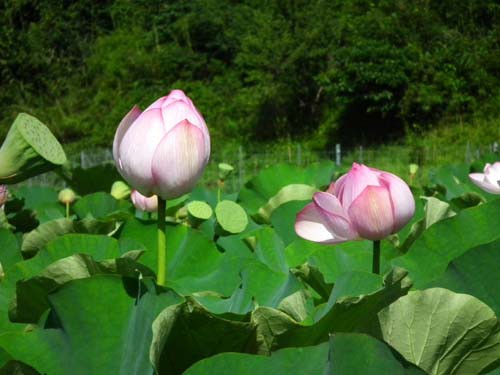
[(489, 180), (364, 203), (147, 204), (164, 149), (3, 195)]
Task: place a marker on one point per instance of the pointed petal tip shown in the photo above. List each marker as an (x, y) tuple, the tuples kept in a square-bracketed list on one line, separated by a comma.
[(179, 160)]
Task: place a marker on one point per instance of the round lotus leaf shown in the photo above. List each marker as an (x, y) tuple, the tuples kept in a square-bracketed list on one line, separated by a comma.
[(225, 170), (231, 216), (199, 210), (28, 150)]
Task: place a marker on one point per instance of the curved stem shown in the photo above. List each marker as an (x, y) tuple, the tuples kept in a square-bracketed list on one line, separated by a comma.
[(376, 257), (162, 243)]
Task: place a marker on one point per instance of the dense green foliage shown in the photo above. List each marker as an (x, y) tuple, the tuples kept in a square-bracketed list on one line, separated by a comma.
[(325, 70)]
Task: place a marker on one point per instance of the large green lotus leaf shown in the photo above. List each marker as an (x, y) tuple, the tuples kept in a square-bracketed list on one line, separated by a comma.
[(46, 232), (194, 262), (300, 250), (298, 305), (434, 211), (101, 205), (270, 250), (186, 333), (350, 284), (267, 276), (240, 302), (447, 239), (328, 263), (283, 220), (332, 261), (276, 329), (90, 180), (475, 273), (267, 184), (268, 287), (98, 246), (263, 276), (10, 251), (443, 332), (31, 294), (452, 181), (345, 353), (95, 326), (314, 281), (17, 368), (196, 265), (42, 200), (289, 193), (310, 360)]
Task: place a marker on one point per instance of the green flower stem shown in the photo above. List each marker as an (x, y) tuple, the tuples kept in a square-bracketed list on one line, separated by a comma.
[(67, 210), (162, 243), (376, 257)]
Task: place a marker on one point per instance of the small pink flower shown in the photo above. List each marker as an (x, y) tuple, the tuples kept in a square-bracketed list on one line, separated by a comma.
[(164, 149), (489, 180), (147, 204), (364, 203)]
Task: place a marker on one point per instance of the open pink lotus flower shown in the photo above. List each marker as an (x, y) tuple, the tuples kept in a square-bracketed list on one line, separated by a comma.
[(364, 203), (146, 204), (489, 180), (164, 149)]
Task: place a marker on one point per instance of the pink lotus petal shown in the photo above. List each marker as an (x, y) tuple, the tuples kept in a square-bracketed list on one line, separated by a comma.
[(179, 160), (331, 188), (334, 216), (137, 149), (492, 174), (356, 180), (146, 204), (496, 166), (177, 111), (480, 180), (329, 203), (157, 104), (310, 226), (180, 110), (125, 123), (403, 203), (176, 95), (371, 213)]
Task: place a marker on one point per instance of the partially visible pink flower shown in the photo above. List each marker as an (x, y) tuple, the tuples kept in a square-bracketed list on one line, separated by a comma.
[(147, 204), (3, 195), (164, 149), (489, 180), (364, 203)]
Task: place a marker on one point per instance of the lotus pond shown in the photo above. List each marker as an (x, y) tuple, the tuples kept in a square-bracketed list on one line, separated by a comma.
[(243, 293)]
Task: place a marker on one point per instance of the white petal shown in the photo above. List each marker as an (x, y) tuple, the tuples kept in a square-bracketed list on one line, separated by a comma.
[(310, 225), (125, 124), (137, 149), (179, 160)]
